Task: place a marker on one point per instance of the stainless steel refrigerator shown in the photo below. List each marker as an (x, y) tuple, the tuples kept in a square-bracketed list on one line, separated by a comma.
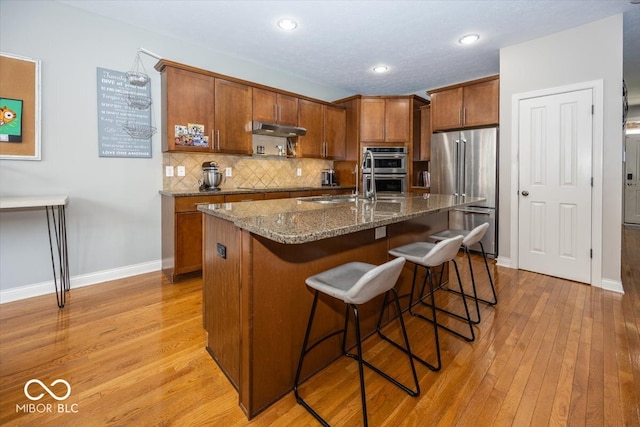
[(465, 163)]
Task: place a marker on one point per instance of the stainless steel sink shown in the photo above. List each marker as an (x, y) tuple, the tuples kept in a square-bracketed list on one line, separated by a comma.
[(392, 198), (331, 199)]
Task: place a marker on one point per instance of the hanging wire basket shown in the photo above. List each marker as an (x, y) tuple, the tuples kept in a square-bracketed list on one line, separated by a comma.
[(138, 76), (139, 131), (139, 102)]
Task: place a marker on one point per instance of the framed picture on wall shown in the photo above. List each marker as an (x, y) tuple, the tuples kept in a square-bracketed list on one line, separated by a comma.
[(10, 120), (19, 107)]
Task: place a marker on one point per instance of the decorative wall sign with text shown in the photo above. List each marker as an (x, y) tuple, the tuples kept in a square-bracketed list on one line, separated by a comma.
[(124, 116)]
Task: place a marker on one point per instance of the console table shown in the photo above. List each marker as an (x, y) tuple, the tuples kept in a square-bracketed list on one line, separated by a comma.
[(56, 224)]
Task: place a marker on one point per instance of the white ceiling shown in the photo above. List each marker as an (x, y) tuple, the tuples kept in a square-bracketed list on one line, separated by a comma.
[(338, 42)]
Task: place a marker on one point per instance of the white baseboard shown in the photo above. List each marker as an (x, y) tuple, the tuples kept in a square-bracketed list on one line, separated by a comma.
[(504, 262), (44, 288), (612, 285)]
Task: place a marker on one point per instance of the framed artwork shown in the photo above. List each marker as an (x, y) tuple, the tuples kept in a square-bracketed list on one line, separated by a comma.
[(19, 108), (10, 120)]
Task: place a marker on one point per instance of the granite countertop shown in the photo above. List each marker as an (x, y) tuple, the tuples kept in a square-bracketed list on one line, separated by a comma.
[(247, 190), (307, 219)]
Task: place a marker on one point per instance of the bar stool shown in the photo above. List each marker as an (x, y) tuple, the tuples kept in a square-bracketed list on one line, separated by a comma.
[(355, 283), (470, 238), (430, 255)]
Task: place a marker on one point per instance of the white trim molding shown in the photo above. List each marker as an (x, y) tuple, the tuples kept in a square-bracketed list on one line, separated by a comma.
[(45, 288)]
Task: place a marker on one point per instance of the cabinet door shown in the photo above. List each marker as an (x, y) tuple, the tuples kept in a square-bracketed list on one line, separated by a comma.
[(310, 117), (335, 132), (232, 118), (397, 120), (272, 107), (264, 105), (287, 110), (481, 102), (446, 109), (187, 98), (188, 242), (372, 122), (422, 145)]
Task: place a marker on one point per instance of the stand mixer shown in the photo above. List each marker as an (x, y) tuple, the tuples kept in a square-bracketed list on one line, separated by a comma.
[(212, 177)]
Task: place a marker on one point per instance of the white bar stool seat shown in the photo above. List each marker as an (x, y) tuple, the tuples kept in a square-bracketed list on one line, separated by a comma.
[(355, 283)]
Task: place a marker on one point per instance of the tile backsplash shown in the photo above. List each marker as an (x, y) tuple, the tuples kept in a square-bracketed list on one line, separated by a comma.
[(268, 171)]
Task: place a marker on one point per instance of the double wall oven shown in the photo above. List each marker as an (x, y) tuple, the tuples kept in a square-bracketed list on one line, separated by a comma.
[(390, 169)]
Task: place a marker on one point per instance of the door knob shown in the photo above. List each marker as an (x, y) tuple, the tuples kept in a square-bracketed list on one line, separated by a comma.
[(525, 193)]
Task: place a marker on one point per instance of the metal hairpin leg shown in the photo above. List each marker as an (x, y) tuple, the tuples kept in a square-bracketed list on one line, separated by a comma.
[(58, 228)]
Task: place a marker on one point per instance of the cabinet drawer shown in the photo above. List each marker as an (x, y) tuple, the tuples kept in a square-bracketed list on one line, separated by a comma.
[(276, 195), (188, 203), (299, 193), (243, 197)]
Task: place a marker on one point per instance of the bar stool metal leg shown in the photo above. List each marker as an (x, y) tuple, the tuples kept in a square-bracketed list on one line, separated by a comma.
[(430, 366), (325, 281), (467, 319)]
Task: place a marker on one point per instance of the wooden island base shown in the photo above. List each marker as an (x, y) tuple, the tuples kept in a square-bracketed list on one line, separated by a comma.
[(256, 303)]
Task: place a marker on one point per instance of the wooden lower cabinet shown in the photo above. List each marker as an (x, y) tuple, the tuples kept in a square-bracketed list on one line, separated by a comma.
[(182, 235), (182, 226)]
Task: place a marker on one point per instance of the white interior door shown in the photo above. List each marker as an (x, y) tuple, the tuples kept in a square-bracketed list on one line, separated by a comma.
[(632, 180), (555, 155)]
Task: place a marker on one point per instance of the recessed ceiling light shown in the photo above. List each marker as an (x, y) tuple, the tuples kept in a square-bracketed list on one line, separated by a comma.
[(287, 24), (469, 38), (380, 69)]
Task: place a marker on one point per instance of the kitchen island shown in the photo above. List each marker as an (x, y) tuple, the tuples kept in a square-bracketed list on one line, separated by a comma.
[(256, 258)]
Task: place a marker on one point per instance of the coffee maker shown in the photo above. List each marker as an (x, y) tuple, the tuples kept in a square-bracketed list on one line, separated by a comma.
[(328, 178)]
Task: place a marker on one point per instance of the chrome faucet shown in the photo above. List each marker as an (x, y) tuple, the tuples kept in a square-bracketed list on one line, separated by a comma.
[(356, 171), (369, 191)]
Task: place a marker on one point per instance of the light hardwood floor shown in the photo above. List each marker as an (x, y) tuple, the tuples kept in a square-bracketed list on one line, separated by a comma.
[(552, 352)]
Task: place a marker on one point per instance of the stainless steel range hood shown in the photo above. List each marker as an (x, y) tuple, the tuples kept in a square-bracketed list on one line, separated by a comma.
[(272, 129)]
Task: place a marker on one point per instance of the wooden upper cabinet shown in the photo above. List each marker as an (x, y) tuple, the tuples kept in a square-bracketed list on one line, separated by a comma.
[(470, 104), (310, 117), (397, 120), (273, 107), (221, 108), (385, 120), (481, 101), (372, 124), (422, 142), (232, 118), (187, 98), (446, 109), (335, 132), (326, 130)]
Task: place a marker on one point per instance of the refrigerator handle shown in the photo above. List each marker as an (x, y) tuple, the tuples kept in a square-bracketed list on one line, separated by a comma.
[(457, 172), (463, 168)]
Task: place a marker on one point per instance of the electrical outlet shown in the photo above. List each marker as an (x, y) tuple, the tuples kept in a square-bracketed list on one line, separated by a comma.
[(228, 172), (381, 232), (180, 170), (299, 172), (168, 171)]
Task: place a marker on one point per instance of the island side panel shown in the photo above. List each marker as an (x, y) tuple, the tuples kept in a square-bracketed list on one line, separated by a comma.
[(221, 294), (281, 304)]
